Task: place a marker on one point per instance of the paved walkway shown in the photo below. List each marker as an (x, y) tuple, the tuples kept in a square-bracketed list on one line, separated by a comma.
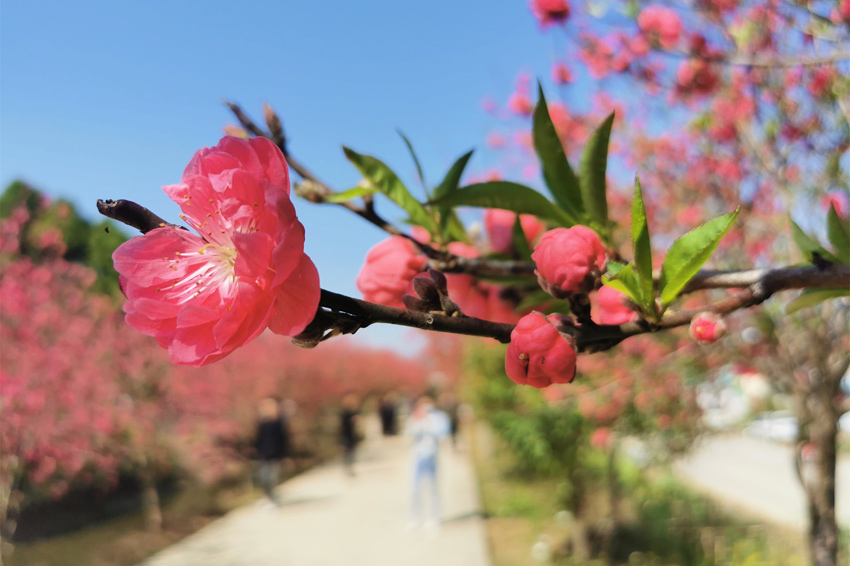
[(328, 518), (759, 475)]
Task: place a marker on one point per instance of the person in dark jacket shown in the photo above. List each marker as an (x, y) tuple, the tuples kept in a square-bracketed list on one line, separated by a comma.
[(349, 437), (272, 445)]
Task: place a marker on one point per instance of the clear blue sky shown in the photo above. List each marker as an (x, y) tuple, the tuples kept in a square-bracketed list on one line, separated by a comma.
[(111, 99)]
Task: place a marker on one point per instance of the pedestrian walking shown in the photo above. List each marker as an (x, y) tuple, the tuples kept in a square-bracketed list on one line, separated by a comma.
[(427, 426), (272, 445)]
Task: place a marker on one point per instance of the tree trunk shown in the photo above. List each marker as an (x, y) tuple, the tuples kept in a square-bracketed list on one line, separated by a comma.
[(823, 528), (150, 503), (816, 466), (581, 546)]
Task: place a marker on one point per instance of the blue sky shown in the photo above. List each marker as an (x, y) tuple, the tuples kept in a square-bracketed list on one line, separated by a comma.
[(111, 99)]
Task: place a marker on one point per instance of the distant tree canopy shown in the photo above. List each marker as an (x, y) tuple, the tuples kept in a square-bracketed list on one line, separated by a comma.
[(47, 228)]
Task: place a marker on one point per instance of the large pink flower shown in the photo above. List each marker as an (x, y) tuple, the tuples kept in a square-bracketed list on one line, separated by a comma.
[(539, 355), (569, 260), (390, 266), (202, 296)]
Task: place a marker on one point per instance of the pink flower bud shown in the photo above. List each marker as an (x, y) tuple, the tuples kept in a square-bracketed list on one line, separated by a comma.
[(612, 307), (561, 74), (569, 261), (550, 12), (539, 355), (389, 268), (520, 103), (707, 327), (500, 224)]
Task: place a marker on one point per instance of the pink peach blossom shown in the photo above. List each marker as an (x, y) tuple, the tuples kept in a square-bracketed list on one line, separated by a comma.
[(550, 12), (539, 355), (561, 74), (569, 260), (520, 103), (610, 307), (202, 296), (661, 24), (389, 268), (499, 225)]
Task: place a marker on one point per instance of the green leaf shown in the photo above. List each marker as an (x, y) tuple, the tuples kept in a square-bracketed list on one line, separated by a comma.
[(811, 297), (453, 229), (452, 179), (534, 299), (520, 243), (506, 195), (690, 252), (415, 160), (614, 267), (641, 247), (809, 246), (591, 173), (839, 234), (346, 196), (386, 181), (449, 222), (625, 281), (557, 173)]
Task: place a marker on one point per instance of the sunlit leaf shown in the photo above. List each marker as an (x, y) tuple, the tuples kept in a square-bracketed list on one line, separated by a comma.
[(626, 281), (690, 252), (386, 181), (591, 172), (557, 173), (520, 242), (415, 160), (346, 196), (812, 297), (809, 246), (508, 196), (641, 247), (839, 234)]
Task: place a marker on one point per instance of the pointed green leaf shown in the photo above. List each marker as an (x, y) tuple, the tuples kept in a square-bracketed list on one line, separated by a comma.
[(811, 297), (591, 173), (625, 281), (415, 161), (519, 240), (557, 173), (690, 252), (454, 230), (449, 185), (641, 246), (386, 181), (809, 246), (839, 234), (346, 196), (506, 195), (452, 179), (533, 299)]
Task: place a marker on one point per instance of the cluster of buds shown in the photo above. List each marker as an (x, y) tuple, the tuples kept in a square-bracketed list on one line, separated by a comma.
[(428, 292)]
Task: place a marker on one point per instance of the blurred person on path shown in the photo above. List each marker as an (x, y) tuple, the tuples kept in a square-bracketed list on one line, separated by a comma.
[(450, 406), (389, 415), (426, 426), (349, 437), (272, 445)]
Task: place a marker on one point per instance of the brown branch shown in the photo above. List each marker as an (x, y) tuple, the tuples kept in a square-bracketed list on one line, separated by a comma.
[(339, 314), (132, 214)]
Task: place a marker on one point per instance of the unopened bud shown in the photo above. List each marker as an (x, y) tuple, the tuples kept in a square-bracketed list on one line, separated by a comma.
[(707, 327), (273, 122), (236, 132)]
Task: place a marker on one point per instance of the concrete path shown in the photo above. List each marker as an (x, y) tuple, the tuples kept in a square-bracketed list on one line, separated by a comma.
[(328, 518), (758, 475)]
